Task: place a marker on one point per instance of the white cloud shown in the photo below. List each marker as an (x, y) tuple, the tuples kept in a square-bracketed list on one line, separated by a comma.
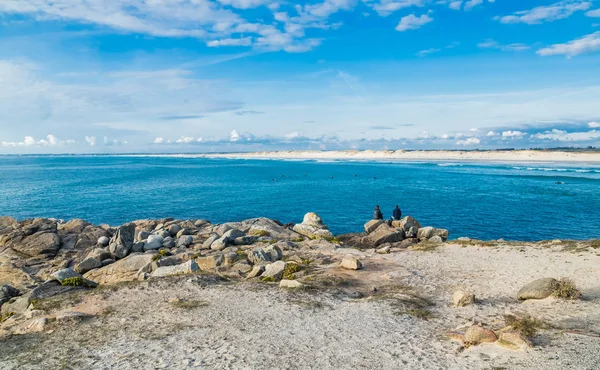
[(387, 7), (245, 41), (185, 140), (29, 141), (159, 140), (583, 45), (234, 136), (455, 5), (509, 133), (492, 134), (561, 135), (548, 13), (91, 140), (492, 44), (424, 53), (472, 3), (593, 13), (469, 141), (412, 22), (594, 125)]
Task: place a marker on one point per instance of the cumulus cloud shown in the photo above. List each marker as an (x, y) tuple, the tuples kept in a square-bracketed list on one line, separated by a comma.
[(185, 140), (387, 7), (547, 13), (492, 44), (583, 45), (158, 140), (508, 134), (593, 13), (91, 140), (29, 141), (594, 125), (492, 134), (246, 41), (469, 141), (234, 136), (562, 135), (412, 22)]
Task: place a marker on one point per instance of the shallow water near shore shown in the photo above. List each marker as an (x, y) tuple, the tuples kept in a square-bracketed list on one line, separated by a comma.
[(516, 201)]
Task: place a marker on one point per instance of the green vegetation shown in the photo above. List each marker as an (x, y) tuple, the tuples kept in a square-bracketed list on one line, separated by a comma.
[(419, 313), (298, 240), (6, 316), (161, 253), (260, 233), (596, 243), (566, 289), (527, 325), (75, 281), (290, 269), (268, 279)]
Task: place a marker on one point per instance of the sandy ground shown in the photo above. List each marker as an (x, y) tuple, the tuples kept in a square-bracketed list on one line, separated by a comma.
[(436, 155), (254, 325)]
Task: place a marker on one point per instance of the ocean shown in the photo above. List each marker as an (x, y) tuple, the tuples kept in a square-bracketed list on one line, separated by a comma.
[(523, 201)]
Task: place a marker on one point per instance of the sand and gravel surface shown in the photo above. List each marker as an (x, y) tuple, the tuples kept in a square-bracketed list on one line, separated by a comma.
[(199, 321)]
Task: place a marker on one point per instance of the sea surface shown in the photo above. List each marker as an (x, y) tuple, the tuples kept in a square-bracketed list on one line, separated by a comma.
[(487, 201)]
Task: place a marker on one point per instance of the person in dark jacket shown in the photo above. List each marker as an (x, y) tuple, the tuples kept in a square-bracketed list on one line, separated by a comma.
[(397, 214), (377, 215)]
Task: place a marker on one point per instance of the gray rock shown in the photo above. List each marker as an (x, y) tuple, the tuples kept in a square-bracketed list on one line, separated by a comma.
[(273, 252), (108, 261), (258, 256), (260, 226), (62, 275), (122, 242), (208, 242), (88, 264), (184, 231), (219, 244), (242, 267), (232, 234), (174, 229), (409, 225), (7, 292), (185, 241), (103, 241), (138, 247), (143, 235), (99, 253), (274, 270), (168, 242), (17, 305), (245, 240), (538, 289), (436, 239), (185, 268), (429, 232), (210, 263), (256, 271), (125, 269), (152, 245), (155, 238), (312, 226), (385, 234)]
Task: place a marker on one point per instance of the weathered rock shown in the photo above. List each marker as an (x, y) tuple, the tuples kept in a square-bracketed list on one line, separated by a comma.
[(242, 267), (274, 270), (436, 239), (32, 326), (103, 241), (538, 289), (290, 284), (123, 270), (245, 240), (258, 256), (514, 340), (372, 225), (17, 305), (88, 264), (122, 242), (43, 244), (108, 261), (184, 231), (52, 288), (461, 299), (273, 252), (64, 274), (429, 232), (219, 244), (210, 263), (138, 247), (174, 229), (168, 242), (257, 270), (409, 225), (13, 276), (476, 334), (384, 250), (143, 235), (185, 268), (313, 227), (208, 242), (385, 234), (7, 292), (266, 227), (185, 241), (152, 245), (155, 238), (7, 222), (351, 264)]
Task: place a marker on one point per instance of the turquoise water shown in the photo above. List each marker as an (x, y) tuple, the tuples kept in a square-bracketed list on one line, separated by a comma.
[(485, 201)]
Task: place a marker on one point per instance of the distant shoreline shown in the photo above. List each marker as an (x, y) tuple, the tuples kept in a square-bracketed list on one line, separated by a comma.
[(437, 155)]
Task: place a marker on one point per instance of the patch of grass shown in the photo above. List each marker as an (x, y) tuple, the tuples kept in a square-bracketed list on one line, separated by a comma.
[(476, 243), (241, 254), (290, 269), (298, 240), (6, 316), (425, 246), (268, 279), (306, 261), (189, 305), (75, 281), (405, 301), (161, 253), (595, 243), (527, 325), (260, 233), (566, 289)]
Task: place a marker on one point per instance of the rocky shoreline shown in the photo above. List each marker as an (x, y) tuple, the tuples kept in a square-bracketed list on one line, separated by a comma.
[(43, 260)]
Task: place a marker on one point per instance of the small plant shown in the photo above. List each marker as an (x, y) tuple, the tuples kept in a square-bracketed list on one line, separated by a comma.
[(566, 289), (161, 253), (298, 240), (290, 269), (527, 325), (268, 279), (306, 261), (75, 281), (333, 240), (260, 233), (6, 316)]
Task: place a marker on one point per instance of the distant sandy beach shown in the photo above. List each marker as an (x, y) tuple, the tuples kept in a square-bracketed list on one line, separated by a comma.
[(434, 155)]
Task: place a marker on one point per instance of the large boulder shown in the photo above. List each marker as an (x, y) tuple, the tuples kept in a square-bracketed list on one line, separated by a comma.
[(263, 255), (267, 227), (210, 263), (372, 225), (429, 232), (385, 234), (410, 226), (88, 264), (7, 222), (13, 276), (122, 242), (63, 276), (185, 241), (185, 268), (34, 238), (274, 270), (125, 269), (313, 227), (538, 289)]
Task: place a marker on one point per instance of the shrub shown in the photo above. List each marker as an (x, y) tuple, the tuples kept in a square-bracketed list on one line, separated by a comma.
[(260, 233), (566, 289), (298, 240), (290, 270), (75, 281), (268, 279), (527, 325)]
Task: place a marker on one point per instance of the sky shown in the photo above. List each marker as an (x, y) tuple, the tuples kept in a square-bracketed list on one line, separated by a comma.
[(183, 76)]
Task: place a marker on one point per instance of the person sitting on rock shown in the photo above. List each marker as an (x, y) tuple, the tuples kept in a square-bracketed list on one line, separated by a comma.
[(377, 215), (396, 214)]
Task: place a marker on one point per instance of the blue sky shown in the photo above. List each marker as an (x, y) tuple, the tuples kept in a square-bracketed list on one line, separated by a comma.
[(235, 75)]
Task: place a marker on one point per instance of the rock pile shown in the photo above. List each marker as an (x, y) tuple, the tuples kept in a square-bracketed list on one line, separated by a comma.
[(401, 233)]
